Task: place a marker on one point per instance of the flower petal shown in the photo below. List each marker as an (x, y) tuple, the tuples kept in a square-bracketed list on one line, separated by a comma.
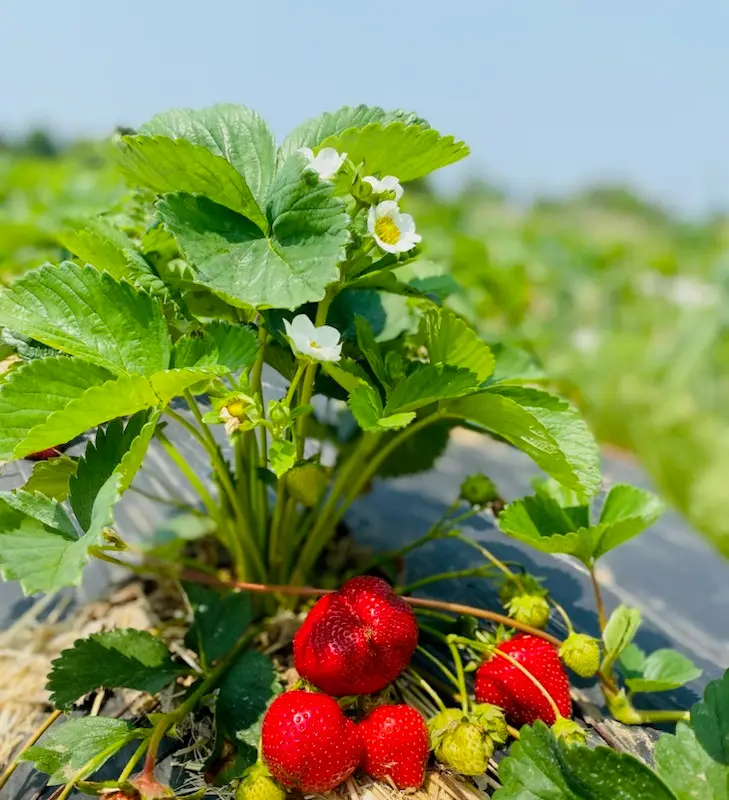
[(326, 336)]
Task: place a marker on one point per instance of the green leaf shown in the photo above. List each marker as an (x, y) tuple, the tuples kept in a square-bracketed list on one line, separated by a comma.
[(514, 365), (292, 266), (176, 165), (347, 373), (174, 534), (233, 132), (664, 670), (632, 661), (566, 498), (545, 427), (116, 454), (313, 132), (418, 453), (710, 719), (282, 456), (33, 391), (38, 543), (74, 744), (366, 407), (124, 658), (620, 631), (246, 691), (427, 384), (450, 340), (106, 247), (221, 617), (371, 350), (543, 524), (219, 343), (540, 767), (46, 414), (687, 769), (627, 512), (397, 148), (86, 313), (52, 477)]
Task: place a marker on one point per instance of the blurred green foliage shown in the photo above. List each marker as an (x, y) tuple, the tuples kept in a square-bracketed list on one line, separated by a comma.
[(625, 305), (43, 186)]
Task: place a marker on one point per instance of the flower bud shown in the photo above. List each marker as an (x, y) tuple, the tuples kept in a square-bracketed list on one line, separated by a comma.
[(478, 490)]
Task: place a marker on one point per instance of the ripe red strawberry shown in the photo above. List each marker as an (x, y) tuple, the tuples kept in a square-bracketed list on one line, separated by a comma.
[(501, 683), (45, 455), (395, 742), (356, 640), (307, 743)]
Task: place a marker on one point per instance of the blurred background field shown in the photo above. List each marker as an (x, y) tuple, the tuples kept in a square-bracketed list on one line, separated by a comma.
[(624, 305)]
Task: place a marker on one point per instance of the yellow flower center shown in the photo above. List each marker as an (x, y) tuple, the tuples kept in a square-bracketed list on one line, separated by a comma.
[(387, 231), (313, 344), (236, 409)]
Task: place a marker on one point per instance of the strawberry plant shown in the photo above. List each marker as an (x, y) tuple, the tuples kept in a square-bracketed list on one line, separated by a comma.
[(262, 304)]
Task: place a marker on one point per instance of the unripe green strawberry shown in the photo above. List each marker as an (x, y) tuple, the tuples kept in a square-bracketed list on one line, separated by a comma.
[(461, 742), (581, 653), (531, 609), (569, 731), (259, 785), (467, 749), (478, 490)]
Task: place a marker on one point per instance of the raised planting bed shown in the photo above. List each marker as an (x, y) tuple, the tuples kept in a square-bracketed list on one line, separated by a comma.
[(232, 351)]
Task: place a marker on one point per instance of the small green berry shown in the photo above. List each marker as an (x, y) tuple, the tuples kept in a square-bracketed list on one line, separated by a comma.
[(478, 490), (581, 653), (259, 786)]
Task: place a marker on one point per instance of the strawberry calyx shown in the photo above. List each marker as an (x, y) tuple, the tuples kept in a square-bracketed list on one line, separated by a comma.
[(569, 731)]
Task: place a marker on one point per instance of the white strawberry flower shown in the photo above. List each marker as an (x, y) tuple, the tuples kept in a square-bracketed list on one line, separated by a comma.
[(327, 162), (387, 184), (319, 344), (393, 231)]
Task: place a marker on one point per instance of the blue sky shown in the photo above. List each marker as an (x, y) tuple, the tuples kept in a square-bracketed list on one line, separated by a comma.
[(550, 94)]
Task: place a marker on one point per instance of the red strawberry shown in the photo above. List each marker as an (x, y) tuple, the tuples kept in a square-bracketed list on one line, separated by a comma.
[(395, 742), (307, 743), (501, 683), (356, 640), (45, 455)]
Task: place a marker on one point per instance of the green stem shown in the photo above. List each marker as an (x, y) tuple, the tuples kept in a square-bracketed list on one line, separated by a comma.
[(168, 501), (662, 716), (322, 530), (89, 767), (426, 687), (438, 663), (307, 388), (327, 523), (188, 705), (600, 605), (129, 768), (300, 370), (180, 462), (473, 572), (460, 674), (243, 539), (257, 384), (39, 731)]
